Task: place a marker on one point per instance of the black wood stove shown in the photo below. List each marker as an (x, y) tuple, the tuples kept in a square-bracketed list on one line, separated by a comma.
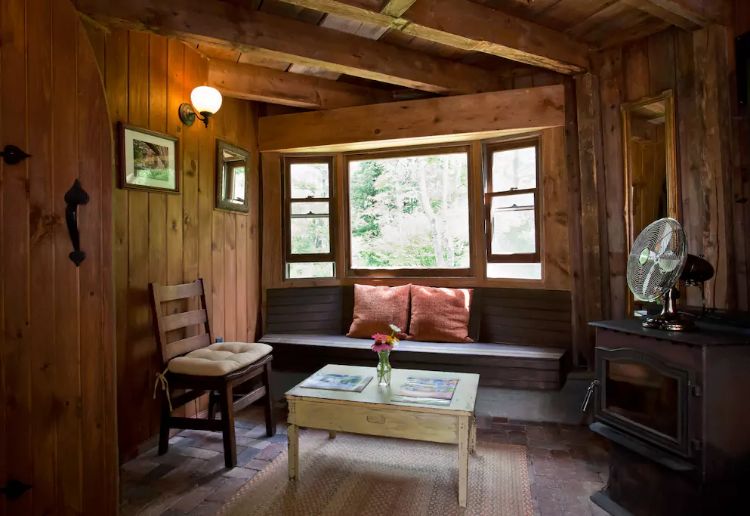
[(676, 407)]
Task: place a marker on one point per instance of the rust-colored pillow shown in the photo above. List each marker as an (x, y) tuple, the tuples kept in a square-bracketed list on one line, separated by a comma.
[(377, 307), (440, 314)]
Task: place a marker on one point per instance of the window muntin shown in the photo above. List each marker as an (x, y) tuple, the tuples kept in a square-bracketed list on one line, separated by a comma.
[(409, 212), (309, 231), (512, 206)]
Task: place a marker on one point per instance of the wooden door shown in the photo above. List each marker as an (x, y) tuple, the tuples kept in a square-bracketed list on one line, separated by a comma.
[(57, 402)]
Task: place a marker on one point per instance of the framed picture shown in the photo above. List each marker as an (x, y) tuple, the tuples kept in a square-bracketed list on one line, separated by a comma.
[(148, 160)]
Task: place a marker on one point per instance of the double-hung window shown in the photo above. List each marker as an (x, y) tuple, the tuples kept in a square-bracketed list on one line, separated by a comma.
[(512, 210), (409, 212), (309, 207)]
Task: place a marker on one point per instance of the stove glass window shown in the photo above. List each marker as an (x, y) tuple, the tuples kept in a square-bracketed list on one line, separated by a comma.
[(641, 394)]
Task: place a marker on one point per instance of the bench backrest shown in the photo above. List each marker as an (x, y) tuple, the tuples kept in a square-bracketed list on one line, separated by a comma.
[(531, 317)]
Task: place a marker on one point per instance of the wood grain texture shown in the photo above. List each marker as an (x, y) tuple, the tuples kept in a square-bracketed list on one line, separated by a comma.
[(267, 36), (56, 356), (522, 109), (168, 238), (472, 27)]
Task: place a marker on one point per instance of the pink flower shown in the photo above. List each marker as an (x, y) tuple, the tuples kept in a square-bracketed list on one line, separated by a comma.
[(380, 337), (381, 346)]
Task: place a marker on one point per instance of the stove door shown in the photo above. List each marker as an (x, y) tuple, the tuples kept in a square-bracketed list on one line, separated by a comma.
[(644, 396)]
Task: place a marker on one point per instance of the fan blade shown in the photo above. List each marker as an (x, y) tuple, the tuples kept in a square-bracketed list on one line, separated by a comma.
[(664, 243), (647, 278)]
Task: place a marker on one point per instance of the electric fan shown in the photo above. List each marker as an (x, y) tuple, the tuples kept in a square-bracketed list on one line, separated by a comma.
[(657, 261)]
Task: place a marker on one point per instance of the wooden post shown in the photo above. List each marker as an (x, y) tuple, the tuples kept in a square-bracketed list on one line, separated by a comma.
[(463, 459)]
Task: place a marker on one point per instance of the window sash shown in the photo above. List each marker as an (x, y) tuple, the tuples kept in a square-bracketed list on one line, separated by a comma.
[(290, 257), (490, 194), (411, 272)]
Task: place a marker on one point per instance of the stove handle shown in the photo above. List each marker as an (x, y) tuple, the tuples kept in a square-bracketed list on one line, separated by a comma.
[(589, 392)]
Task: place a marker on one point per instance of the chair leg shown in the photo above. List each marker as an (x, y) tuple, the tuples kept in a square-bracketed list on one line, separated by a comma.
[(226, 405), (212, 405), (164, 426), (268, 401)]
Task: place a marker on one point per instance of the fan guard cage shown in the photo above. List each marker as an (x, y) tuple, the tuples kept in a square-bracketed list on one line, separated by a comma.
[(656, 259)]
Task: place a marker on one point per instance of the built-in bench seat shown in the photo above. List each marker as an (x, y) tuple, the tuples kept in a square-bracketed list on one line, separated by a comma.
[(306, 328)]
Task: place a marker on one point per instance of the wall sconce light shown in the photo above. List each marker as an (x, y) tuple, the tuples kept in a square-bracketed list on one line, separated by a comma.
[(205, 100)]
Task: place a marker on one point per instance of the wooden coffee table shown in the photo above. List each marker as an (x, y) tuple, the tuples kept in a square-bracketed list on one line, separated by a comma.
[(371, 412)]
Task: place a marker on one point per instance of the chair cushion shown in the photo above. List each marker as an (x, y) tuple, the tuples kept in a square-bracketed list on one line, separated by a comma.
[(219, 359)]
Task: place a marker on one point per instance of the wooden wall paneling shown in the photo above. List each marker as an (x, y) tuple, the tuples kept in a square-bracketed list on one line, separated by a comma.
[(141, 361), (710, 53), (594, 237), (228, 130), (67, 313), (555, 216), (635, 57), (14, 247), (116, 84), (661, 58), (193, 229), (477, 171), (609, 67), (271, 263), (579, 333), (95, 291), (41, 254), (254, 231)]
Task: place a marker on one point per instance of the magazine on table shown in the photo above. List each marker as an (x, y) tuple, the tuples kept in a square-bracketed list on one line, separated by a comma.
[(337, 382), (428, 391)]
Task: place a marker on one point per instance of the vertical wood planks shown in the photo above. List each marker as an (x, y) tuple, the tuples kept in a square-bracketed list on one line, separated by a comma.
[(173, 238)]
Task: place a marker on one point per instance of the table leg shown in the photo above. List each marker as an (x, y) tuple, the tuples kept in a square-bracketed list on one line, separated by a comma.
[(332, 434), (473, 436), (463, 459), (293, 439)]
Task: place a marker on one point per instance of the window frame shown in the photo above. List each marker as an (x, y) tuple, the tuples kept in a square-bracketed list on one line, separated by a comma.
[(445, 148), (290, 257), (490, 194)]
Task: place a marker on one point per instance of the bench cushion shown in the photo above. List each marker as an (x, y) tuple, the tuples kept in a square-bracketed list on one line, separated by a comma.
[(501, 365), (219, 359)]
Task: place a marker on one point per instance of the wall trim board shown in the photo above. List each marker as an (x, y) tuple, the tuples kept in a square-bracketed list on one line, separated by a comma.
[(479, 115)]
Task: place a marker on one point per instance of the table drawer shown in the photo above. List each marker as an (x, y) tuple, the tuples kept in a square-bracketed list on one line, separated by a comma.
[(440, 428)]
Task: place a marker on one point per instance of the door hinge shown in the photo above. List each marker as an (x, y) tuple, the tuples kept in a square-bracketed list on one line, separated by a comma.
[(695, 389)]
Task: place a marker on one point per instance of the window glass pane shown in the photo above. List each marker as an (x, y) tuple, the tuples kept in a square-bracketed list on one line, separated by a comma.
[(409, 212), (310, 235), (310, 270), (514, 168), (310, 208), (237, 194), (515, 270), (309, 180), (512, 219)]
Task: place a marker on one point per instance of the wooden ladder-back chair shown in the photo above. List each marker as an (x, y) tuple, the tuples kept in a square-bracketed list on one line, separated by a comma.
[(193, 364)]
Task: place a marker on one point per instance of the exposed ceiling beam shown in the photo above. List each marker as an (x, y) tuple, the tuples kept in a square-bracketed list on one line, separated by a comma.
[(687, 14), (474, 27), (397, 123), (251, 82), (396, 8), (288, 40)]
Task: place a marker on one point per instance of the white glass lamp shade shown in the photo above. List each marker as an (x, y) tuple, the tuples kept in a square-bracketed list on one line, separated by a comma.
[(206, 99)]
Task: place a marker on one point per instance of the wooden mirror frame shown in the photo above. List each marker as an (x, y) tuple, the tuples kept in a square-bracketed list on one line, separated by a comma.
[(221, 202), (674, 203)]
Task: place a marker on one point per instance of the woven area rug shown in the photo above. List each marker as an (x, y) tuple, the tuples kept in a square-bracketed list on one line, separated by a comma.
[(359, 475)]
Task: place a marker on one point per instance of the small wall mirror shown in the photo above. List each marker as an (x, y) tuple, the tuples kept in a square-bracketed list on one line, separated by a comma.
[(651, 187), (649, 152), (231, 177)]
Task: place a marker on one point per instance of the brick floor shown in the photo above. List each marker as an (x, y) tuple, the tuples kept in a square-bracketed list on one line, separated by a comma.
[(566, 465)]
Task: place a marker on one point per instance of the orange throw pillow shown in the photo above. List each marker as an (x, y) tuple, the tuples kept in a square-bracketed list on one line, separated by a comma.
[(440, 314), (377, 307)]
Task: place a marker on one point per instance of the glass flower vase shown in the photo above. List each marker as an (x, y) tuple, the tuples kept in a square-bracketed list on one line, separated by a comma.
[(384, 368)]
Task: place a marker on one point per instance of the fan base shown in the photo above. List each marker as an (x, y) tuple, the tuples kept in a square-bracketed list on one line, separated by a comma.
[(670, 322)]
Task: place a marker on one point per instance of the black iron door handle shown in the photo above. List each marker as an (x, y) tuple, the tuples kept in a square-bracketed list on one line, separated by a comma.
[(12, 155), (73, 198), (14, 489)]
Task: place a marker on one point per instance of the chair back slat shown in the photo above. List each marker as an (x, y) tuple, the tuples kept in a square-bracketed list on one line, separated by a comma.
[(197, 318), (183, 346), (183, 320), (184, 291)]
